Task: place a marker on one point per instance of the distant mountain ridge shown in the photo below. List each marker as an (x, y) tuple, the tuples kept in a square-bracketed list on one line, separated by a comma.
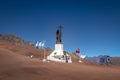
[(96, 59)]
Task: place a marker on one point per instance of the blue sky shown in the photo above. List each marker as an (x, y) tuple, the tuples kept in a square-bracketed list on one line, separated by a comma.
[(91, 25)]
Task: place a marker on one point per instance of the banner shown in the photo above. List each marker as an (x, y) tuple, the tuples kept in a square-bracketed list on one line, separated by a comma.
[(78, 51)]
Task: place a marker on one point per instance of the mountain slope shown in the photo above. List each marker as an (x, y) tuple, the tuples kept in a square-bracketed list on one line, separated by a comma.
[(16, 65)]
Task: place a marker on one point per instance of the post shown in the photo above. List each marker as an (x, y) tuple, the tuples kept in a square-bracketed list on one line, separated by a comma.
[(44, 52)]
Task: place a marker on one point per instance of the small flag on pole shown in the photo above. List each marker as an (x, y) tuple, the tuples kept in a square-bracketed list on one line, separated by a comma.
[(40, 44), (37, 45), (78, 51)]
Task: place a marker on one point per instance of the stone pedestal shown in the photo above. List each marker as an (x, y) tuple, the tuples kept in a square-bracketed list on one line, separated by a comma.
[(59, 55)]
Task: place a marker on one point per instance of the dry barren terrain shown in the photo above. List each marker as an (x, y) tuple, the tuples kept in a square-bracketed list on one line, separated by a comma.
[(15, 65)]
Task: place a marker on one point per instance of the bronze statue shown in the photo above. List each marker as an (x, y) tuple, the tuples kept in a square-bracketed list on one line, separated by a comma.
[(58, 35)]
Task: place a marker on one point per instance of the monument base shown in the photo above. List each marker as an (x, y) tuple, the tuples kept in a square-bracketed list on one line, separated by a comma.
[(58, 55)]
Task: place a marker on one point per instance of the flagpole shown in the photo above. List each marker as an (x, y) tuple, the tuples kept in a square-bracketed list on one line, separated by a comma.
[(43, 45), (44, 52), (44, 49)]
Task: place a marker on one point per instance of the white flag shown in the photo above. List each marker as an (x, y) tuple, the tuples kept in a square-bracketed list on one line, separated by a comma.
[(37, 44), (82, 56), (42, 45)]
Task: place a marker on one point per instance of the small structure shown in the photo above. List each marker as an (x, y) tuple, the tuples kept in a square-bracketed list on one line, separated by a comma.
[(58, 54), (105, 60)]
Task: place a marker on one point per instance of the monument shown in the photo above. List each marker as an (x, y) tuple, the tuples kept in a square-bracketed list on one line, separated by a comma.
[(59, 55)]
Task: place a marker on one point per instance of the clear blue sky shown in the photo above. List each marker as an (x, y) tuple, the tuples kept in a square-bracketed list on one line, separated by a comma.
[(91, 25)]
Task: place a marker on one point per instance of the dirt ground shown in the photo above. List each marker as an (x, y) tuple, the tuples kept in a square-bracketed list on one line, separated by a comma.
[(14, 66)]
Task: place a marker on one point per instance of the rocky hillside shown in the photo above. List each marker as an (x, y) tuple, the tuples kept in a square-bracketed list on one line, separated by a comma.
[(15, 39), (115, 60), (17, 45)]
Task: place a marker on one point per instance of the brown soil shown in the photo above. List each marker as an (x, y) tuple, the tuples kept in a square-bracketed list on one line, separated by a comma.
[(15, 65)]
